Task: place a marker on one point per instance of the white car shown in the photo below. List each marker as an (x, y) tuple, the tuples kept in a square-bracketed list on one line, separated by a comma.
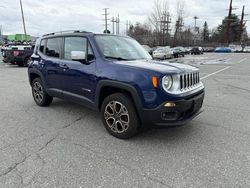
[(247, 49), (163, 53)]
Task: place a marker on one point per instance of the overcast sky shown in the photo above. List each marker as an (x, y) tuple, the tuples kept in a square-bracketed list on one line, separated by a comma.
[(44, 16)]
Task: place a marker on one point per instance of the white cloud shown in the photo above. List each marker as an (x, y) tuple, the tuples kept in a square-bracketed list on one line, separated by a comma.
[(43, 16)]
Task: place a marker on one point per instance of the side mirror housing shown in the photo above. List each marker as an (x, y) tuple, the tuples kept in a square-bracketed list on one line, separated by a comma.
[(78, 56)]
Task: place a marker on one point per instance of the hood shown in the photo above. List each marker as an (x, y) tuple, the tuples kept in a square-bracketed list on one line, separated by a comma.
[(158, 66)]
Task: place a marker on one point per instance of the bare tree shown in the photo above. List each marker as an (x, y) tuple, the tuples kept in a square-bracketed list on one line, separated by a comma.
[(160, 6), (180, 6)]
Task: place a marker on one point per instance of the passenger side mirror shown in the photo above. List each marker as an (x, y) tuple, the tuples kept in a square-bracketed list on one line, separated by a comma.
[(78, 56)]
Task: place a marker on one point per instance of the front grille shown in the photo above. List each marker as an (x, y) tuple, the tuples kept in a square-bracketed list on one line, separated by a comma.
[(189, 80)]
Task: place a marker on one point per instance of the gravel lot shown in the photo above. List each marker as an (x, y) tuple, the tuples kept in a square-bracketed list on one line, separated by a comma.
[(66, 145)]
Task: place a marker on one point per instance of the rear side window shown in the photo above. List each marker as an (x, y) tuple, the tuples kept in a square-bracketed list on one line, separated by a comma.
[(74, 44), (41, 47), (53, 48)]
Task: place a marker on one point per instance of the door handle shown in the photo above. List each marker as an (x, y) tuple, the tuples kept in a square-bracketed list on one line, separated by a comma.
[(64, 66)]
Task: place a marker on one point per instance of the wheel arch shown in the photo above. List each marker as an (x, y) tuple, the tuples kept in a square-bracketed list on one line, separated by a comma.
[(108, 87)]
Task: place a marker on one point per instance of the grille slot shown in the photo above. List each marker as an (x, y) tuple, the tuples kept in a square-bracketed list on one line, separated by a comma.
[(189, 80)]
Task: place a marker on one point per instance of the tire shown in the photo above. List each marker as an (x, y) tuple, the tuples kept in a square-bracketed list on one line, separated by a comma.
[(112, 108), (41, 97), (26, 61)]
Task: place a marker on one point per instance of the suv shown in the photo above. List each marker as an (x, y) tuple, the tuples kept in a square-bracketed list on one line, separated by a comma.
[(116, 76)]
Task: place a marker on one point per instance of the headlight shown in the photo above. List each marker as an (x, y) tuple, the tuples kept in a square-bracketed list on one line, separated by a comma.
[(167, 82)]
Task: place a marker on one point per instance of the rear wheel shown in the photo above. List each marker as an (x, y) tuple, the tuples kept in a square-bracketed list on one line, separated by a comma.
[(119, 116), (26, 61), (41, 97)]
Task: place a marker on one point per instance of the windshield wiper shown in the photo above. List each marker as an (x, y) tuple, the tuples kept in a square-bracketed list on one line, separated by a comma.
[(117, 58)]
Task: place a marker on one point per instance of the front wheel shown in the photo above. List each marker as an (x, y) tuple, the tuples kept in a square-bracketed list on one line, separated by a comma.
[(119, 116)]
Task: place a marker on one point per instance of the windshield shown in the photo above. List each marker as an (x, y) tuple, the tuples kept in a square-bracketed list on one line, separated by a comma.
[(121, 48)]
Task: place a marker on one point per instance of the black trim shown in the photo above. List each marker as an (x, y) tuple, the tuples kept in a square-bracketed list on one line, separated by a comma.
[(119, 85), (184, 111)]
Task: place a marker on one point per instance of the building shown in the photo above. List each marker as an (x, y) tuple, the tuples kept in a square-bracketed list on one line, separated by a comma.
[(19, 37)]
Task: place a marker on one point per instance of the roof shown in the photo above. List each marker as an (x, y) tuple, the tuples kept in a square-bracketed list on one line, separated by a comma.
[(75, 32)]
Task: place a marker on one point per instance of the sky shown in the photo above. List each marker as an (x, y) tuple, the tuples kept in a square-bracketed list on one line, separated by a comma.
[(45, 16)]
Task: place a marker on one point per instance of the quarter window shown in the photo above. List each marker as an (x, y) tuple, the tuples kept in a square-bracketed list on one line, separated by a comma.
[(53, 48)]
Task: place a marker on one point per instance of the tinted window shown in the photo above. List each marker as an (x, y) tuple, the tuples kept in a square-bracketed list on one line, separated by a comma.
[(74, 44), (53, 48), (41, 47)]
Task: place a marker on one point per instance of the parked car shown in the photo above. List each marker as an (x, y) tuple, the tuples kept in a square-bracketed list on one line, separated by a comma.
[(163, 53), (196, 51), (209, 49), (236, 48), (148, 49), (116, 76), (18, 54), (188, 50), (247, 49), (222, 50), (178, 52)]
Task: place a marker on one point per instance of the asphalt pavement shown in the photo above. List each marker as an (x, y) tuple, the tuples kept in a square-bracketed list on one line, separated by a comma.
[(66, 145)]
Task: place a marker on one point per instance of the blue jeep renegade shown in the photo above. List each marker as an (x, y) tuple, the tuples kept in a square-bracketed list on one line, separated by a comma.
[(116, 76)]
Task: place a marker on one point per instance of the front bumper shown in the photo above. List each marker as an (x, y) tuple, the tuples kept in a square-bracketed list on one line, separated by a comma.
[(184, 111)]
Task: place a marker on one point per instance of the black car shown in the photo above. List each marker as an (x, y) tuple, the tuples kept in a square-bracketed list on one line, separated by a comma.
[(196, 51), (178, 52)]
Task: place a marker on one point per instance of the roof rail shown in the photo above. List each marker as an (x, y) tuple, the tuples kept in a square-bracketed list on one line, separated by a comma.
[(67, 31)]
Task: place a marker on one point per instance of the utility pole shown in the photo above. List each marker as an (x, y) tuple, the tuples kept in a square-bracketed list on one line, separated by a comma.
[(24, 28), (106, 20), (166, 20), (241, 23), (228, 22), (195, 18), (1, 38), (113, 25), (195, 29), (178, 28), (117, 25), (168, 25), (127, 27)]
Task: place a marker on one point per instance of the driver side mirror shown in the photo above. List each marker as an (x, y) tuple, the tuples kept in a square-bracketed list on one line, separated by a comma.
[(78, 56)]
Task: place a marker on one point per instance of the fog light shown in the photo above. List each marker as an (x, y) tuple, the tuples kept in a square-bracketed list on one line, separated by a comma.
[(170, 104)]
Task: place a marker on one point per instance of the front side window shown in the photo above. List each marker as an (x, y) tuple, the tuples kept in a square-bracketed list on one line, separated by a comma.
[(78, 44), (53, 48), (121, 48)]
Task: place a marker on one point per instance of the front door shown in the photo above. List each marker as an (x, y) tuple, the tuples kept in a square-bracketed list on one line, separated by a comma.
[(78, 77)]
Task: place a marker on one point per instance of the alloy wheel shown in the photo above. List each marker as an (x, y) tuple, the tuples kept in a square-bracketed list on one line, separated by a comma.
[(116, 116), (38, 92)]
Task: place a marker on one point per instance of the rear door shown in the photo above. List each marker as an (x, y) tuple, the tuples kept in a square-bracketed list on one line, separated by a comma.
[(51, 62)]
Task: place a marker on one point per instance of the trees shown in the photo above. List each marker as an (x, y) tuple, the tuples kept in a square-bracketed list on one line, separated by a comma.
[(141, 33), (234, 30), (205, 32)]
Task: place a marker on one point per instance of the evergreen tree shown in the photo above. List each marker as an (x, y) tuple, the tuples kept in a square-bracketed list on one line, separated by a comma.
[(205, 32)]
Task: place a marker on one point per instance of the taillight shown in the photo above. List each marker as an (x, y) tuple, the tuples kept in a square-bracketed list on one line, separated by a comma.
[(15, 53)]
